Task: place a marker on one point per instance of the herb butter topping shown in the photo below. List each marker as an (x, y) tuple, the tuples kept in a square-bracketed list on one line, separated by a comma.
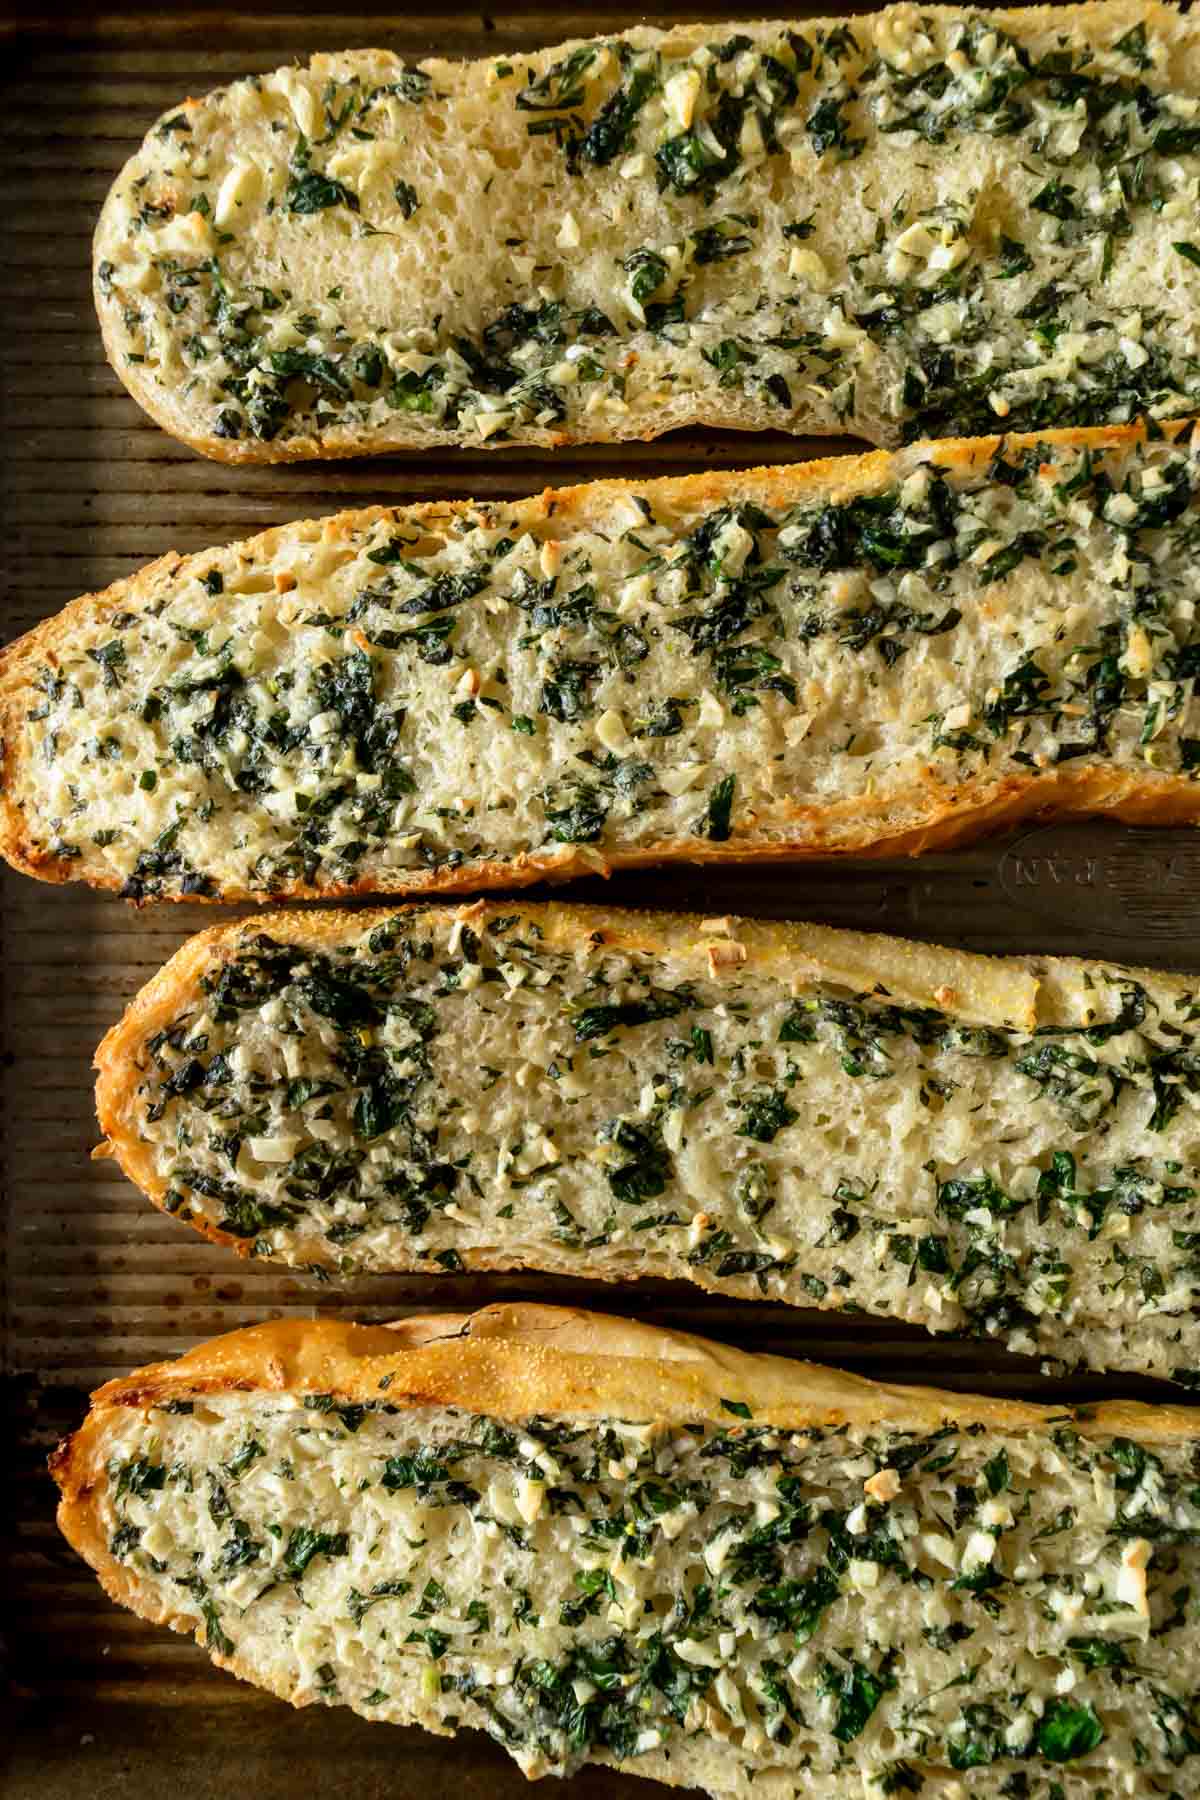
[(421, 1093), (880, 1610), (911, 224), (392, 699)]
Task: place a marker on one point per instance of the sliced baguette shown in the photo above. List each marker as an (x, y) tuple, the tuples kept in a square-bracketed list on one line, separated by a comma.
[(1007, 1148), (602, 1542), (870, 654), (914, 223)]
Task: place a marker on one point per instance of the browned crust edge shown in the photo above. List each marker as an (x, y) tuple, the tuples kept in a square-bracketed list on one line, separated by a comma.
[(510, 1361)]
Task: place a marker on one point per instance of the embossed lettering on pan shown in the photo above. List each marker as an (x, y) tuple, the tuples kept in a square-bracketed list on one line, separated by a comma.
[(1148, 887)]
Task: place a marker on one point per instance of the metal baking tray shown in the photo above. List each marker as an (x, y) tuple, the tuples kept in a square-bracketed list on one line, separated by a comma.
[(93, 1281)]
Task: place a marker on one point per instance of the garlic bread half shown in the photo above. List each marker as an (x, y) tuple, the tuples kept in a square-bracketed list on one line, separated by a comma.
[(919, 222), (1007, 1148), (866, 655), (602, 1542)]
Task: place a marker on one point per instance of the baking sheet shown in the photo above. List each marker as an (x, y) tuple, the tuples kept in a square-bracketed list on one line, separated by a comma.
[(94, 1281)]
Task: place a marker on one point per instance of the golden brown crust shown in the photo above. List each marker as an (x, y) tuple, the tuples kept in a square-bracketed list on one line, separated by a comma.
[(511, 1361), (938, 815)]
